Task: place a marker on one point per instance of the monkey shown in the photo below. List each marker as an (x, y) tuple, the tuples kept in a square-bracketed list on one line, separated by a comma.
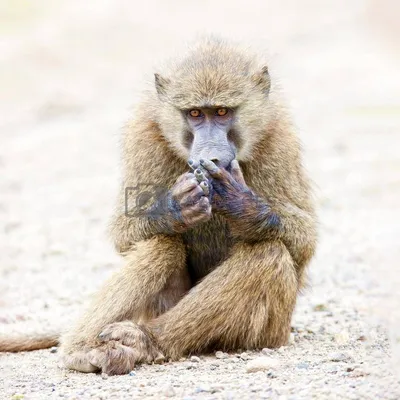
[(217, 259)]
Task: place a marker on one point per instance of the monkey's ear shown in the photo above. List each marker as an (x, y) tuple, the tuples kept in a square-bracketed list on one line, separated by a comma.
[(161, 85), (262, 80)]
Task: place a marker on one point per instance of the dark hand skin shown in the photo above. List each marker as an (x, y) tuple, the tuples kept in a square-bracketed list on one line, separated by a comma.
[(186, 204), (246, 213), (210, 188)]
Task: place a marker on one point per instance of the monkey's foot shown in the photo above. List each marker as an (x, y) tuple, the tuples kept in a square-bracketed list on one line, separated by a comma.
[(123, 345)]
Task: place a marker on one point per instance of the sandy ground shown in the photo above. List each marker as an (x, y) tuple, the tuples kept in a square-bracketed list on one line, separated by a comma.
[(69, 72)]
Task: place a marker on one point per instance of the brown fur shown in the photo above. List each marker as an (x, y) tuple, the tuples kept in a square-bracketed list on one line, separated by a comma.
[(244, 281)]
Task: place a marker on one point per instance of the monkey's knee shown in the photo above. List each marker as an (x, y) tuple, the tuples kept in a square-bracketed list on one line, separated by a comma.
[(268, 260)]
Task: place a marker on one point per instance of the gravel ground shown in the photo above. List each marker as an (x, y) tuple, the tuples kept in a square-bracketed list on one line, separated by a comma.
[(69, 72)]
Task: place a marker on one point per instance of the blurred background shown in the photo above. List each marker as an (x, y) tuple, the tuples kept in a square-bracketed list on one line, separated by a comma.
[(70, 72)]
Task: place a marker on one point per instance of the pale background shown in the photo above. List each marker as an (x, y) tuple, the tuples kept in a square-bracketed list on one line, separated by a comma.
[(69, 73)]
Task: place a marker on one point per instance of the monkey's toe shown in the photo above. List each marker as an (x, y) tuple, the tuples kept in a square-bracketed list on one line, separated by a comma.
[(78, 361), (114, 358)]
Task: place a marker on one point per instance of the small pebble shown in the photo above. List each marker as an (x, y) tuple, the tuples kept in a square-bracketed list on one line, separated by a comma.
[(221, 355), (195, 359), (132, 373), (302, 366), (272, 374), (312, 329), (54, 349), (267, 351), (244, 356), (281, 349), (333, 368), (357, 373), (261, 364), (320, 307), (216, 388), (340, 357), (105, 376)]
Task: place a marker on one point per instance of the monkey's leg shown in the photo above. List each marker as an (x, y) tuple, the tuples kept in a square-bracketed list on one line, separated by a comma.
[(153, 280), (247, 302)]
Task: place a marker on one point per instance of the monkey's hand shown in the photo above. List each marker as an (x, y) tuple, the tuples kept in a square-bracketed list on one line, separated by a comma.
[(245, 211), (119, 348), (188, 203)]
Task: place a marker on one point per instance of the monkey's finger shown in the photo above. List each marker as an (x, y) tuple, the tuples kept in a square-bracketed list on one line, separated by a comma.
[(213, 170), (184, 187), (206, 187), (192, 197), (200, 212), (204, 204), (186, 176), (237, 173), (193, 164), (199, 174), (200, 206)]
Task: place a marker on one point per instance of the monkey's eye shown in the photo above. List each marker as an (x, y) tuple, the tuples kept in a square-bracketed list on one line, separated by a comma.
[(195, 113), (222, 111)]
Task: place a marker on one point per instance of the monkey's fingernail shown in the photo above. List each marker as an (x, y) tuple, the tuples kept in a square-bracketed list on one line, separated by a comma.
[(198, 171), (102, 335), (193, 164), (205, 187), (201, 160)]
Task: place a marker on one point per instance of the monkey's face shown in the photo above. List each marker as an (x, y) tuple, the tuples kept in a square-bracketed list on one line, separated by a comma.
[(208, 134), (214, 104), (220, 124)]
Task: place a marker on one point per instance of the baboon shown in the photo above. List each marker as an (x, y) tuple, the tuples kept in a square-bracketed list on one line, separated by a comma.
[(216, 259)]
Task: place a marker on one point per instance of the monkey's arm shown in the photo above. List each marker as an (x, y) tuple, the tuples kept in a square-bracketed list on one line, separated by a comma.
[(292, 225), (151, 167), (253, 218)]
